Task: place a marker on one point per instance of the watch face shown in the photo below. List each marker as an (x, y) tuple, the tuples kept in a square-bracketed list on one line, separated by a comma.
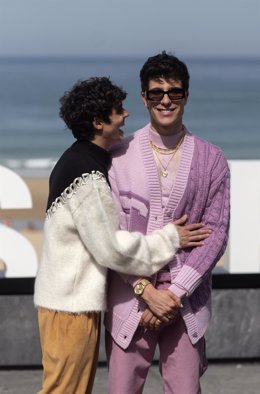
[(139, 288)]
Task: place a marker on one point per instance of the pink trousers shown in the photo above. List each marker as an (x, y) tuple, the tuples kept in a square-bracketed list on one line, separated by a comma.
[(181, 364)]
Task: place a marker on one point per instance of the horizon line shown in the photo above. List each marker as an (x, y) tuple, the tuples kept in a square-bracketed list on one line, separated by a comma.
[(124, 56)]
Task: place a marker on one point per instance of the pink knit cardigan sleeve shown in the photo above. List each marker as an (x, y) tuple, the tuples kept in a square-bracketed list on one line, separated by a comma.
[(201, 260)]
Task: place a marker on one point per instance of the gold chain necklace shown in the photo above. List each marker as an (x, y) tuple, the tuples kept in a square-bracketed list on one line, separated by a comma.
[(156, 150), (168, 151), (162, 151)]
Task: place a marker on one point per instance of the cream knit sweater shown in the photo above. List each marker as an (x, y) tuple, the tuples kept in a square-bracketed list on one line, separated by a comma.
[(81, 241)]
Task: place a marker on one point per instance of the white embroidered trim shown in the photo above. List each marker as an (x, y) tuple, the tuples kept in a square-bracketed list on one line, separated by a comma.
[(72, 189)]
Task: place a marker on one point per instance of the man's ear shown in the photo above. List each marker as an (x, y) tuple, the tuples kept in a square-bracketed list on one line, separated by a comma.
[(144, 100), (97, 124)]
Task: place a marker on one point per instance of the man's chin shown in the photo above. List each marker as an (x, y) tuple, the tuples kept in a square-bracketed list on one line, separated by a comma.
[(120, 136)]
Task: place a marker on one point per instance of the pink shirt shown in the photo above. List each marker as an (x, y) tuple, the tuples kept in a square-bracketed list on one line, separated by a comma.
[(170, 162)]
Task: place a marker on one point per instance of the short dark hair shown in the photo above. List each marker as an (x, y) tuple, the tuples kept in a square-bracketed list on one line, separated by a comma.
[(165, 66), (94, 98)]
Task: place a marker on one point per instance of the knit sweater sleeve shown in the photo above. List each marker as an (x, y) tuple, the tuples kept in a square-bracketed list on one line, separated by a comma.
[(95, 218), (202, 260)]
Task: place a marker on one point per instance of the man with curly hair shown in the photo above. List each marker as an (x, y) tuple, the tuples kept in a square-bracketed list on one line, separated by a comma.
[(81, 240)]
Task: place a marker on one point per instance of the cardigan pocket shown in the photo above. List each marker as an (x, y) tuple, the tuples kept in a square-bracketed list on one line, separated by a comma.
[(125, 213), (134, 215)]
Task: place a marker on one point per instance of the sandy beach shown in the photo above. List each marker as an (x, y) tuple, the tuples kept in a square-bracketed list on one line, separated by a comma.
[(39, 192)]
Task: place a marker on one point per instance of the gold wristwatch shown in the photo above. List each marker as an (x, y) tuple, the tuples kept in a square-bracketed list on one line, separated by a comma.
[(140, 286)]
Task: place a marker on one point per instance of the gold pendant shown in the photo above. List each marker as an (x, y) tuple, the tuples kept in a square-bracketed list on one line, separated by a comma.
[(164, 173)]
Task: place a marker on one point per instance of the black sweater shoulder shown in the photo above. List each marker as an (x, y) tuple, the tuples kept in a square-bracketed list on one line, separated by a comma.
[(82, 157)]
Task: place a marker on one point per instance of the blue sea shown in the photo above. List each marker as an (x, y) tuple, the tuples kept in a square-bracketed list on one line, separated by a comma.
[(223, 107)]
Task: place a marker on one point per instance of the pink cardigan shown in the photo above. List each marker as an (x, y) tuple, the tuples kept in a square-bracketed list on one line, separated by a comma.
[(201, 190)]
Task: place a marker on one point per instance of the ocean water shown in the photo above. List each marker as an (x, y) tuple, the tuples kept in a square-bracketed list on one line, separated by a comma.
[(223, 107)]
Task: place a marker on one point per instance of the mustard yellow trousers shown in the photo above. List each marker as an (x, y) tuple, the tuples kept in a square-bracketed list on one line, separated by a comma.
[(70, 345)]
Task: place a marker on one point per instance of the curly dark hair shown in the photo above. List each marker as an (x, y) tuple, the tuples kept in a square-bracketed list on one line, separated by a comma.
[(94, 98), (164, 66)]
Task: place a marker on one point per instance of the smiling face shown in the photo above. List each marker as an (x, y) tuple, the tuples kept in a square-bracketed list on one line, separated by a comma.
[(165, 114), (112, 131), (108, 134)]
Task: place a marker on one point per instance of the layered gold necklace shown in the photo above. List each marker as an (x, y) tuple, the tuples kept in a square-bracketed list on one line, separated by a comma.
[(167, 151)]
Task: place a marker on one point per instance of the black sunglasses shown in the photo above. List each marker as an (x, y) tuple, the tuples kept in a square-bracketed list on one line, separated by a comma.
[(158, 94)]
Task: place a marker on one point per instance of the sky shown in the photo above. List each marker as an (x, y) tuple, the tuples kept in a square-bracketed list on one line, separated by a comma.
[(130, 27)]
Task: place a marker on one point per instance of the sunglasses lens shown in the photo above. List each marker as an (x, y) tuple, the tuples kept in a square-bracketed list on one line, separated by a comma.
[(155, 94), (176, 94), (158, 94)]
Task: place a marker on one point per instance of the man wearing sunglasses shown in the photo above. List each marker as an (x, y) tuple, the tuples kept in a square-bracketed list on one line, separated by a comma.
[(159, 173)]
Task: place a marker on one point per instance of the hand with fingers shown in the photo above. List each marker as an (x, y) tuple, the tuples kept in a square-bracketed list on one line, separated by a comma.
[(191, 235), (150, 321), (162, 303)]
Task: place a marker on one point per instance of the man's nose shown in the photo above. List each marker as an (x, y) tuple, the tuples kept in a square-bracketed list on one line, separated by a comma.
[(166, 100), (126, 113)]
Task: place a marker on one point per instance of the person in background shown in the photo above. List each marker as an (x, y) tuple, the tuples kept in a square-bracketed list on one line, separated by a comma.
[(157, 174), (81, 240)]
